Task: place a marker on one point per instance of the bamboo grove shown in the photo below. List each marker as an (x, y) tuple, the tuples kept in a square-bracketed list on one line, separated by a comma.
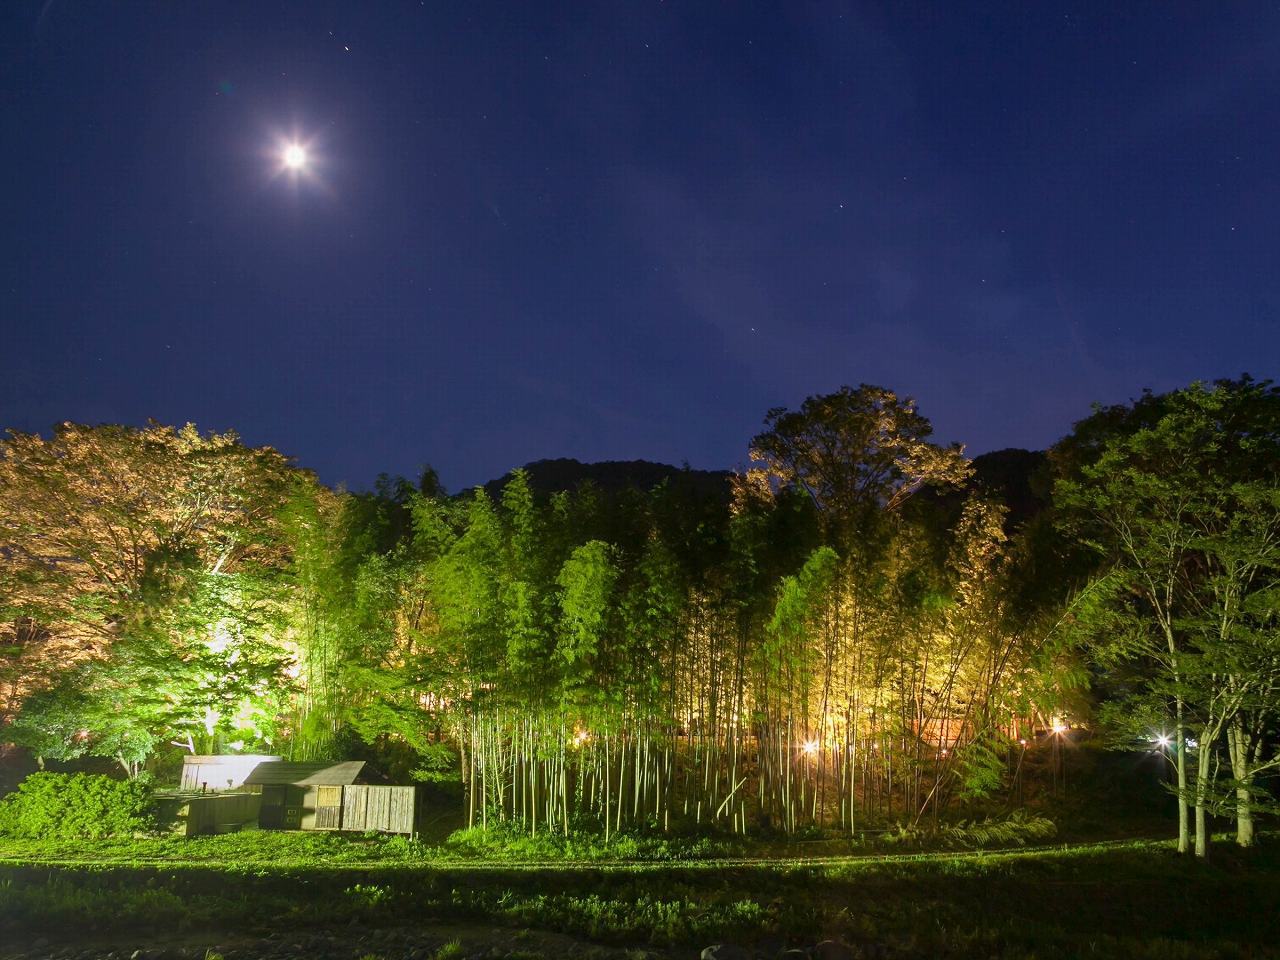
[(857, 628)]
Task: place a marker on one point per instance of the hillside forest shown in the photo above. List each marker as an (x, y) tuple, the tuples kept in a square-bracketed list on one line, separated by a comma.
[(858, 627)]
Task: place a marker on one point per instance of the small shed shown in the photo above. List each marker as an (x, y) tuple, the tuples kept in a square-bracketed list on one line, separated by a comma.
[(302, 796), (203, 773), (288, 796), (194, 814)]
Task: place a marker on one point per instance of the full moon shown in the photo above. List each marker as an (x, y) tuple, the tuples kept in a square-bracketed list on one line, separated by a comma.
[(295, 157)]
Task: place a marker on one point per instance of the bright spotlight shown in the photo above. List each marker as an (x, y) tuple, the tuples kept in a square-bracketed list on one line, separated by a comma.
[(1163, 740), (295, 156)]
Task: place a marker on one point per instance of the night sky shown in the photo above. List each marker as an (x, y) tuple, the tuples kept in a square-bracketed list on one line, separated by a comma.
[(616, 231)]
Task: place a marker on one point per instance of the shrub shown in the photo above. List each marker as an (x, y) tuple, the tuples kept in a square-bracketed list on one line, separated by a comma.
[(510, 840), (78, 805), (1017, 830)]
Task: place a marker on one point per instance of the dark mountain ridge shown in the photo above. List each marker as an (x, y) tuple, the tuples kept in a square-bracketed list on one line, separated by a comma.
[(1009, 475), (612, 476)]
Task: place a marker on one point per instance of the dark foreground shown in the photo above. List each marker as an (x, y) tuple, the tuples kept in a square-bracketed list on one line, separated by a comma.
[(1138, 900), (425, 941)]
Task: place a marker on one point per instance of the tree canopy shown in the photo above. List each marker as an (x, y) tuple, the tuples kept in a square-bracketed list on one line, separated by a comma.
[(820, 644)]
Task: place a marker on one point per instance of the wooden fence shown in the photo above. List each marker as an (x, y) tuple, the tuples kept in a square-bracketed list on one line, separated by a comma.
[(387, 809)]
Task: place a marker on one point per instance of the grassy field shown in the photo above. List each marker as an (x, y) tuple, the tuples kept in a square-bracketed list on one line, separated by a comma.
[(1134, 899), (497, 846)]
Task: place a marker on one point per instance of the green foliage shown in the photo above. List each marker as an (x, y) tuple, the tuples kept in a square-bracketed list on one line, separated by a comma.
[(855, 452), (51, 721), (1179, 496), (848, 633), (79, 805), (274, 849), (510, 841), (801, 598), (438, 764), (148, 556), (982, 768), (1016, 830), (586, 584), (368, 894)]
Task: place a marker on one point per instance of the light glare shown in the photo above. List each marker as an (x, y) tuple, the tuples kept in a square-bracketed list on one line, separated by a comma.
[(295, 156)]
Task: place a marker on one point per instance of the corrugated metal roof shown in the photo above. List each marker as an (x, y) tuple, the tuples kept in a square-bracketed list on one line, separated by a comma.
[(305, 774)]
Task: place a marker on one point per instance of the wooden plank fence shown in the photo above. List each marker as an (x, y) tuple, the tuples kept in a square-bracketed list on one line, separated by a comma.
[(386, 809)]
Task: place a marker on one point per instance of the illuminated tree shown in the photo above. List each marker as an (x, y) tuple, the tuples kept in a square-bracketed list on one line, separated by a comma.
[(854, 452), (99, 522), (1179, 499), (1235, 628), (140, 545), (794, 697), (827, 645)]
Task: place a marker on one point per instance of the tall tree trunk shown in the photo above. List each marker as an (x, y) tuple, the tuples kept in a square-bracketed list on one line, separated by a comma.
[(1180, 765), (1204, 780), (1202, 831), (1237, 746)]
